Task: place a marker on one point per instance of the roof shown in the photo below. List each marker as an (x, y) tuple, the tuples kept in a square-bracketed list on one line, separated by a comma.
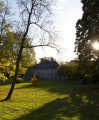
[(47, 64)]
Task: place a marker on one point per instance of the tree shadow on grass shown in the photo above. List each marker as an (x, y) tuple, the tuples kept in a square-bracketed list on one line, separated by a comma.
[(54, 110), (73, 107), (80, 103)]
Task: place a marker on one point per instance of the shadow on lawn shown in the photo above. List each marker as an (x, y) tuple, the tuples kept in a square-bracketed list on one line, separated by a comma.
[(80, 103), (73, 107)]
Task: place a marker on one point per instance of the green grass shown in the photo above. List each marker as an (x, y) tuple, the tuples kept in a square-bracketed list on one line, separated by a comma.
[(50, 100)]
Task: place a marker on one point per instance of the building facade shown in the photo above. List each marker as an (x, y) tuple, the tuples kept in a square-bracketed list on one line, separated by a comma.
[(45, 69)]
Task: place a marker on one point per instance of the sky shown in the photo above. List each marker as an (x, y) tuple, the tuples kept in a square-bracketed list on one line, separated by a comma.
[(66, 13)]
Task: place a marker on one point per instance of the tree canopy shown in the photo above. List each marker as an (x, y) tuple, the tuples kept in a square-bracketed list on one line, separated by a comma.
[(87, 32)]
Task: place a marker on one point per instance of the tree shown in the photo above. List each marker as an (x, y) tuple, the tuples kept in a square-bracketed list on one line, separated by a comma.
[(8, 54), (4, 14), (28, 58), (34, 12), (28, 54), (87, 31), (4, 28), (4, 31)]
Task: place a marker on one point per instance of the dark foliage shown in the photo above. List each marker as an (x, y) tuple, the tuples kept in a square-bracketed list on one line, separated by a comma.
[(87, 32)]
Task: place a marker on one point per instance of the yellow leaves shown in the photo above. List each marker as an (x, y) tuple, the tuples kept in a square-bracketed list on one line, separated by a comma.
[(10, 36), (11, 73), (85, 99), (6, 67), (2, 77)]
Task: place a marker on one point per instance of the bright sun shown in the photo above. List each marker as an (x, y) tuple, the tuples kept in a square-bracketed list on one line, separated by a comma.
[(96, 45)]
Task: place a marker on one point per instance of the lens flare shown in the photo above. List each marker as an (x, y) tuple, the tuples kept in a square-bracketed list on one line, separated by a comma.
[(96, 45)]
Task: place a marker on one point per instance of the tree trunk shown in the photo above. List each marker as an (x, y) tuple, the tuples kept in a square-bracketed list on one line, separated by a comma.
[(16, 72)]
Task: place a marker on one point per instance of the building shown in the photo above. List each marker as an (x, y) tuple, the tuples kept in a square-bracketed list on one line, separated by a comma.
[(45, 69)]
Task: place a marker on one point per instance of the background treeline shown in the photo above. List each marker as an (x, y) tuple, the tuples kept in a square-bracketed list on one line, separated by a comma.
[(72, 72)]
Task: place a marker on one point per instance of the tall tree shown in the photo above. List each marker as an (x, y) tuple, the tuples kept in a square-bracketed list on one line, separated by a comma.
[(34, 12), (87, 31)]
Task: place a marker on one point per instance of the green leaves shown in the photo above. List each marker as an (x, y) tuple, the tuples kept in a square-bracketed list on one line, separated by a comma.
[(8, 54)]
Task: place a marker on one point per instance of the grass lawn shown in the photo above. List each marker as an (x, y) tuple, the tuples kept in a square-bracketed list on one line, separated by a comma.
[(50, 100)]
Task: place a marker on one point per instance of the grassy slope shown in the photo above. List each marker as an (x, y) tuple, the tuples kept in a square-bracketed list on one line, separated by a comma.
[(50, 101)]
